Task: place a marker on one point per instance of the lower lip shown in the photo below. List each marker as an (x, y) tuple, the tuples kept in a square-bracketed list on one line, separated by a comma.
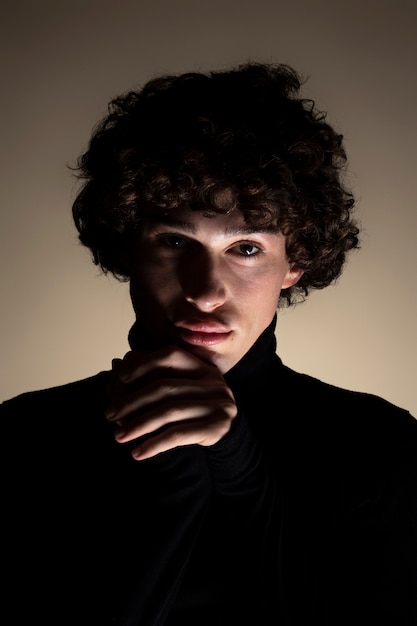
[(202, 339)]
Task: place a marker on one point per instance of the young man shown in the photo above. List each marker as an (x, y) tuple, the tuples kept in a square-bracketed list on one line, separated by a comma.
[(201, 481)]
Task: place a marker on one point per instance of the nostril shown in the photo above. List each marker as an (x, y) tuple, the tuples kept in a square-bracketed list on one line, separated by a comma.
[(206, 300), (206, 293)]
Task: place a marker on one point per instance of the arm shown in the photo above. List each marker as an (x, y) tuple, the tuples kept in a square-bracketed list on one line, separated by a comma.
[(166, 407)]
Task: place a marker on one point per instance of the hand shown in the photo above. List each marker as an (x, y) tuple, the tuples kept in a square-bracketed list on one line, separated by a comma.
[(170, 398)]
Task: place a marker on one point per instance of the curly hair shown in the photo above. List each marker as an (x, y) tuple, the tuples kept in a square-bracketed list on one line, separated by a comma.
[(242, 138)]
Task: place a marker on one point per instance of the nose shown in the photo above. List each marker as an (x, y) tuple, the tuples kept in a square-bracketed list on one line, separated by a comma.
[(203, 282)]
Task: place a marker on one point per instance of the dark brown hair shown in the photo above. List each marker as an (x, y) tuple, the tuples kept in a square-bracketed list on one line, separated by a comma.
[(241, 138)]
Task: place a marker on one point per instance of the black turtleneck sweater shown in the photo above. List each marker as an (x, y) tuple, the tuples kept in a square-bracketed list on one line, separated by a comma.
[(304, 514)]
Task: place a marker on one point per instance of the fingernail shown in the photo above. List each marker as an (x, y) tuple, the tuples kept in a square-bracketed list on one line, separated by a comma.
[(120, 433), (136, 453), (109, 413)]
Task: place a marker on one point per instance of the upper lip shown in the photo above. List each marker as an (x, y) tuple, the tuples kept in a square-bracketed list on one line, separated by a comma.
[(203, 326)]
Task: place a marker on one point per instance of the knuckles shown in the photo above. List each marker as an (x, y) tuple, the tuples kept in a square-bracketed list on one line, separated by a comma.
[(170, 389)]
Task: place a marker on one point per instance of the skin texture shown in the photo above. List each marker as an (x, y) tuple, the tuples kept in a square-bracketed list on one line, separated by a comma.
[(204, 289)]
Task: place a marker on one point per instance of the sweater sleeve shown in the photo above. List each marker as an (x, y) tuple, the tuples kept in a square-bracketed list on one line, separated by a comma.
[(247, 486), (179, 491), (114, 536)]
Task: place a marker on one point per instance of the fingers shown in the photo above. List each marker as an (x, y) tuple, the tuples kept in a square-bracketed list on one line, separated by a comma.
[(201, 409), (136, 365), (169, 397), (165, 390), (182, 434)]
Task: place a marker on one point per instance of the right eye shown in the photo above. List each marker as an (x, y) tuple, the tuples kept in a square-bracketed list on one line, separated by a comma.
[(170, 240)]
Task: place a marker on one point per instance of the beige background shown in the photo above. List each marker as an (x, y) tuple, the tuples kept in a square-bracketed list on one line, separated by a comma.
[(61, 64)]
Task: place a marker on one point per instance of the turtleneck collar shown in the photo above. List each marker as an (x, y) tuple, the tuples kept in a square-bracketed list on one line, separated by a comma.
[(260, 354)]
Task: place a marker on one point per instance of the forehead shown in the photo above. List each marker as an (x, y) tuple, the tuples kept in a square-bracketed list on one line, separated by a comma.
[(193, 221)]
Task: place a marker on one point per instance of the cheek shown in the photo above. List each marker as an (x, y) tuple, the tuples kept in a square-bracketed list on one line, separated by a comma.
[(262, 294), (264, 285), (267, 302), (256, 301)]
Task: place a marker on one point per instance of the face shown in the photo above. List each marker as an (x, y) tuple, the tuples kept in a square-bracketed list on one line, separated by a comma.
[(207, 284)]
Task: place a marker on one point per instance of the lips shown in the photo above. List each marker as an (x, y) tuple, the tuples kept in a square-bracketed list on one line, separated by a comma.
[(203, 333)]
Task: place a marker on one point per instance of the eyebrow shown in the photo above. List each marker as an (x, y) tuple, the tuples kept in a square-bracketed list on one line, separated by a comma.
[(242, 229)]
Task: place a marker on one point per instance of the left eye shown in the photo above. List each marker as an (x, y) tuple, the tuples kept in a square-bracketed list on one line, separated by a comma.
[(247, 249)]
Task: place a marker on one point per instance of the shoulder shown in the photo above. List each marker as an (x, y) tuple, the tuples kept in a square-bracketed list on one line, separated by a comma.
[(55, 424), (356, 442), (348, 412), (87, 389), (42, 413)]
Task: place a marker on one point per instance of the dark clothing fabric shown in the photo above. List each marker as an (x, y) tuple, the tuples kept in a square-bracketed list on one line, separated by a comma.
[(304, 514)]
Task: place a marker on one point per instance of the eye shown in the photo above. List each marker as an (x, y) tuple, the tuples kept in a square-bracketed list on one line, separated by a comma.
[(172, 241), (247, 248)]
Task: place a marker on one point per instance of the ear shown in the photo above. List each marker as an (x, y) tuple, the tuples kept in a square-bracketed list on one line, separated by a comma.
[(291, 277)]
